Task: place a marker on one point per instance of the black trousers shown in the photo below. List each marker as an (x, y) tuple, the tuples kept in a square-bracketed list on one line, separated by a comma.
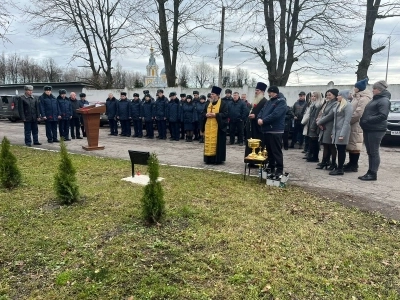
[(125, 127), (63, 128), (285, 139), (273, 142), (138, 127), (236, 126), (31, 128), (174, 130), (113, 126), (313, 148), (297, 133), (51, 130), (75, 127), (196, 129)]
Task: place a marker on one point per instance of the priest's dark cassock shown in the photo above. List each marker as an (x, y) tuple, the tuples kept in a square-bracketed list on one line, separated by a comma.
[(251, 127), (215, 130)]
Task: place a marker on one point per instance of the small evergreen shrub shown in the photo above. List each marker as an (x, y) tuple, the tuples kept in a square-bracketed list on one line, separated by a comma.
[(65, 183), (10, 176), (153, 205)]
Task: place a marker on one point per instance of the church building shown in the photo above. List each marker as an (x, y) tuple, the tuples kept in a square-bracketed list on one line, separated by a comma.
[(152, 79)]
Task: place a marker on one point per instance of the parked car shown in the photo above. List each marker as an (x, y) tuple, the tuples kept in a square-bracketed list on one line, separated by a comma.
[(9, 108), (393, 128)]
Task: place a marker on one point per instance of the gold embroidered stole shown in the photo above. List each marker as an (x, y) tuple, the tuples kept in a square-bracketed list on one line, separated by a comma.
[(211, 130)]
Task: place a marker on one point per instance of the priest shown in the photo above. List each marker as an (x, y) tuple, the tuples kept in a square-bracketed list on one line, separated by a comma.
[(251, 128), (215, 124)]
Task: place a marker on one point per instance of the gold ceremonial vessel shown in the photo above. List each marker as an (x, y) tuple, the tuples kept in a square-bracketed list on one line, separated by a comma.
[(254, 144)]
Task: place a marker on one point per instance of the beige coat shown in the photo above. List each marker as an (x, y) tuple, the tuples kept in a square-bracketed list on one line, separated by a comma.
[(360, 100)]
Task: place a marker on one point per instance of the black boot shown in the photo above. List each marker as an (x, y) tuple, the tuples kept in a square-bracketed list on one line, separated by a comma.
[(352, 165), (190, 138), (323, 164), (337, 172), (201, 140), (332, 167), (370, 176)]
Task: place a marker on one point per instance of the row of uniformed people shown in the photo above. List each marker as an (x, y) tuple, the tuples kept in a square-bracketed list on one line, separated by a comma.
[(61, 112), (184, 115)]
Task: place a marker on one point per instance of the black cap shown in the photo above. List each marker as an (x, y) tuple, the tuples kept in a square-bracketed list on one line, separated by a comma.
[(302, 93), (228, 91), (147, 95), (145, 92), (189, 97), (273, 89), (334, 92), (160, 91), (47, 88), (182, 95), (261, 86), (123, 93), (82, 95), (196, 93), (203, 97), (208, 95), (172, 94), (135, 95), (62, 92), (217, 90)]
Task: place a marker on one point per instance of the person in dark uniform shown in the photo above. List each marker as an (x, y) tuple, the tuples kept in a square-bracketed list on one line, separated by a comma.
[(124, 115), (136, 114), (228, 96), (272, 121), (148, 116), (196, 128), (82, 103), (111, 112), (173, 116), (66, 114), (160, 111), (29, 112), (252, 129), (237, 113), (182, 128), (215, 124), (199, 109), (288, 125), (50, 112), (188, 117), (74, 123)]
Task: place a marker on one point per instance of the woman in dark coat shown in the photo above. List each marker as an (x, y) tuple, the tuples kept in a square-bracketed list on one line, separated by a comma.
[(188, 117), (374, 124)]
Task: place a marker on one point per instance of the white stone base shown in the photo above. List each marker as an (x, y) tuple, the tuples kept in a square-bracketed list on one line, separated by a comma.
[(140, 179)]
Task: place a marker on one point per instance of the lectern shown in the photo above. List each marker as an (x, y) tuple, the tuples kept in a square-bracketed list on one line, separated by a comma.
[(91, 121)]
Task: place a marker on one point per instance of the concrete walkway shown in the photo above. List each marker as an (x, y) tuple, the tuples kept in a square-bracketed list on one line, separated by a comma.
[(382, 195)]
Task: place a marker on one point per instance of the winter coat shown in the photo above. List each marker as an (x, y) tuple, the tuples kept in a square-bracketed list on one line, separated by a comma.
[(147, 109), (123, 109), (136, 109), (341, 124), (376, 113), (298, 110), (49, 107), (174, 111), (288, 118), (160, 108), (237, 111), (74, 106), (28, 108), (199, 110), (111, 107), (305, 119), (82, 103), (360, 100), (313, 129), (188, 113), (65, 108), (273, 115), (326, 121)]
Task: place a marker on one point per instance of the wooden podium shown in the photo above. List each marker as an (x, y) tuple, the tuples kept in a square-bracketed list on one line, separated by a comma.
[(91, 121)]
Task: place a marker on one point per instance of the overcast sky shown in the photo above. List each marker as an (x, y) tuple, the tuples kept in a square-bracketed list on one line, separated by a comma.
[(48, 46)]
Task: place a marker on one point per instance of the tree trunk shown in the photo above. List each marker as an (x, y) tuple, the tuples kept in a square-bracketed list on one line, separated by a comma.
[(368, 51)]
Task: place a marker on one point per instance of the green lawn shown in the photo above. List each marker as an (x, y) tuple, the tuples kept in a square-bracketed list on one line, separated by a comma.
[(222, 238)]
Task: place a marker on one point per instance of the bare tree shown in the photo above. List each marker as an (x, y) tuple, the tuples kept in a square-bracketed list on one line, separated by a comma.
[(388, 10), (3, 68), (184, 76), (301, 33), (5, 19), (175, 27), (202, 73), (98, 28), (52, 70), (13, 68)]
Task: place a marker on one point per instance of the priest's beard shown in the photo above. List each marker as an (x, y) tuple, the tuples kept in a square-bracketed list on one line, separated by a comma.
[(258, 98)]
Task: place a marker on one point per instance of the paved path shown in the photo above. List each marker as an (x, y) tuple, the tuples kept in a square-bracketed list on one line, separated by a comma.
[(382, 195)]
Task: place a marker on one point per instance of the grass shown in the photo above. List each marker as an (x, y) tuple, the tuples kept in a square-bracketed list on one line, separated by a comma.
[(222, 238)]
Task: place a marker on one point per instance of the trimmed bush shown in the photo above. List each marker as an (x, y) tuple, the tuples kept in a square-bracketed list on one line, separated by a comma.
[(65, 183), (153, 205), (10, 176)]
